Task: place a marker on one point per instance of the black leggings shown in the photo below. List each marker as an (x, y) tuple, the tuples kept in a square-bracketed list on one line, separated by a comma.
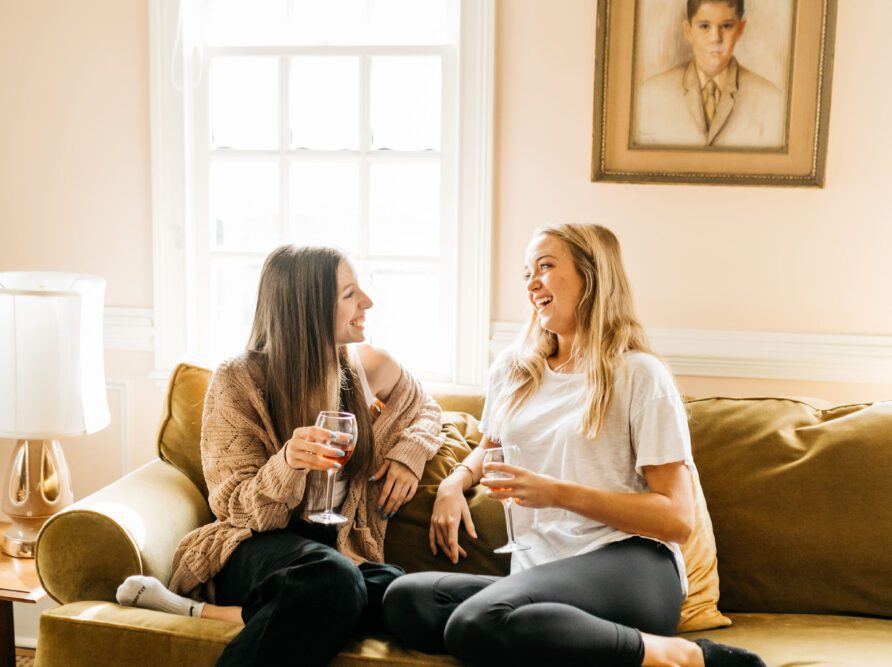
[(584, 610), (301, 599)]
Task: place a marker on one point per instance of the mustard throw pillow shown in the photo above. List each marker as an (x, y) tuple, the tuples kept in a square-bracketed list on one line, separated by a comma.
[(700, 610), (179, 434)]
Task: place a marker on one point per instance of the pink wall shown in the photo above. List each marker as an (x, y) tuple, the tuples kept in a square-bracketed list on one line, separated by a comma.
[(702, 257), (74, 178), (74, 141)]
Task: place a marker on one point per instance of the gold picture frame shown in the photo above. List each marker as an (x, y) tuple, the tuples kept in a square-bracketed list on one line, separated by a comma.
[(654, 121)]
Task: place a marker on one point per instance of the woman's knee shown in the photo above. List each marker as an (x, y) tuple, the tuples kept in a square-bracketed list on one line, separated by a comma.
[(409, 611), (334, 578), (473, 633)]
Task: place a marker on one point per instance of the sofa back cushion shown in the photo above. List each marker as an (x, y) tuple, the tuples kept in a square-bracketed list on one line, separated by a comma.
[(179, 435), (800, 503)]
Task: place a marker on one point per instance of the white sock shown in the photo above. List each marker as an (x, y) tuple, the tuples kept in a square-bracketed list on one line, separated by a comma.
[(149, 593)]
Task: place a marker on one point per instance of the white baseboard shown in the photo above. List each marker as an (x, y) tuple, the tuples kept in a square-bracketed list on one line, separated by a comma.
[(758, 354)]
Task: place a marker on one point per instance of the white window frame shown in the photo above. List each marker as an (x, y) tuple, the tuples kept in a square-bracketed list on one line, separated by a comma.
[(173, 205)]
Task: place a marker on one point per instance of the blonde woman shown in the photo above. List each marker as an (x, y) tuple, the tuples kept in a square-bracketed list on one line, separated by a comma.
[(301, 589), (604, 498)]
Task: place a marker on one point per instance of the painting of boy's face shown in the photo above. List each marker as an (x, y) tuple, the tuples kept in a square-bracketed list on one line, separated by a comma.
[(712, 33)]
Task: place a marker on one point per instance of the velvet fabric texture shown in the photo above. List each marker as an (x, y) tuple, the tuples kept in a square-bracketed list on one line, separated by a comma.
[(130, 527), (180, 431)]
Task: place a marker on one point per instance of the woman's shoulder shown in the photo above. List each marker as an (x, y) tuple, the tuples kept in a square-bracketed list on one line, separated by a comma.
[(649, 372), (238, 372), (505, 361), (381, 369), (374, 358)]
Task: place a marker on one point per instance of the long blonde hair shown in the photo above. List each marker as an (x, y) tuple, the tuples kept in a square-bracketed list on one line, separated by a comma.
[(293, 339), (606, 328)]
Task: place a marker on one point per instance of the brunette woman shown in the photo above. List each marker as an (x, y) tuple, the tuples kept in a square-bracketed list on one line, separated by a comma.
[(301, 589)]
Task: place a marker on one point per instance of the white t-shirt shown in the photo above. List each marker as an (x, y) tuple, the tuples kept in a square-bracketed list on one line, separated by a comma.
[(645, 424)]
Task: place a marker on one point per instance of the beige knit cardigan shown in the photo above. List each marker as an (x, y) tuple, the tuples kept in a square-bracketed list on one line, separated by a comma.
[(252, 488)]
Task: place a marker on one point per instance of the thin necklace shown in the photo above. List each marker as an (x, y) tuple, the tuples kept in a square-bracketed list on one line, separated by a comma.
[(557, 369)]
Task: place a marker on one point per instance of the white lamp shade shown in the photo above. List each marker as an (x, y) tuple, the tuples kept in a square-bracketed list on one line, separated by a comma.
[(52, 377)]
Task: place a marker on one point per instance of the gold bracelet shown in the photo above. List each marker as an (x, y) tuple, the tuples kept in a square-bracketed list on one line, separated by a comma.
[(466, 467)]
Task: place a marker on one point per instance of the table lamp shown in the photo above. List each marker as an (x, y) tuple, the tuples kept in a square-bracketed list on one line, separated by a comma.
[(52, 384)]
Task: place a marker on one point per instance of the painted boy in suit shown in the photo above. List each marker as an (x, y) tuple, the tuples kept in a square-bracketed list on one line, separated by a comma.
[(712, 100)]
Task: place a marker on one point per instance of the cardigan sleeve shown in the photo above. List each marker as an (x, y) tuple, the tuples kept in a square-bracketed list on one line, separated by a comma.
[(249, 482), (418, 439)]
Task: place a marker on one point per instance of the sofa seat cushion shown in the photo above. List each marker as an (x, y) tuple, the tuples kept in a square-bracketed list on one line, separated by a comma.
[(794, 640), (86, 634), (90, 633), (384, 652)]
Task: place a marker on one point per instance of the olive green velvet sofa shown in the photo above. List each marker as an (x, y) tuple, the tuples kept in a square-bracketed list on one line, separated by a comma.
[(800, 500)]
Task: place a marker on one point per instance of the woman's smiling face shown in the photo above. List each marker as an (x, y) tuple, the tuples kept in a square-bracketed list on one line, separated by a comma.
[(352, 304), (554, 286)]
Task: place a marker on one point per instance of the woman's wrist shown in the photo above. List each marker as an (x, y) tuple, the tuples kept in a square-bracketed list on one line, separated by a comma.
[(464, 470), (459, 479)]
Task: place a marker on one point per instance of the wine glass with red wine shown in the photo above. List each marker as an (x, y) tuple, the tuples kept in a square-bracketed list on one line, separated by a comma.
[(343, 423)]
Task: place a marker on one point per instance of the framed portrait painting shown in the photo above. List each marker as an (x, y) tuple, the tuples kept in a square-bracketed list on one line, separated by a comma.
[(713, 91)]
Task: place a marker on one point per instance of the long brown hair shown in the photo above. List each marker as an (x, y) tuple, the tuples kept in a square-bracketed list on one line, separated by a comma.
[(293, 339), (606, 327)]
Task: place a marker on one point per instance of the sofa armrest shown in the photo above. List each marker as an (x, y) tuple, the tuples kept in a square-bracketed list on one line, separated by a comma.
[(131, 526)]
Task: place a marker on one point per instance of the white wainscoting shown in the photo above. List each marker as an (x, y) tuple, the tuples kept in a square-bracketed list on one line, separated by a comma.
[(758, 354), (122, 387), (131, 329), (702, 352)]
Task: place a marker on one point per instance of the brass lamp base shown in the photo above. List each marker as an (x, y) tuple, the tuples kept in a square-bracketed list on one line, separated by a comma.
[(38, 485)]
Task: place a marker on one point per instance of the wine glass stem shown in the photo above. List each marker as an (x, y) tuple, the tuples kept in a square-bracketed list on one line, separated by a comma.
[(509, 520), (329, 490)]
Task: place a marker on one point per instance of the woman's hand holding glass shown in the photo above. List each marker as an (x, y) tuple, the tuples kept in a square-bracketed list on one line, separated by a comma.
[(528, 489), (501, 465), (315, 448), (338, 424)]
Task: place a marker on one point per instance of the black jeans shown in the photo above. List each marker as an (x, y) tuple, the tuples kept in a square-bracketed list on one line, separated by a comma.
[(301, 599), (584, 610)]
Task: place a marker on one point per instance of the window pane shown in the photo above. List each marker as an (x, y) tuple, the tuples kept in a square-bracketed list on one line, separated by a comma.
[(234, 296), (404, 214), (408, 22), (325, 204), (405, 103), (244, 204), (324, 106), (406, 318), (267, 22), (328, 22), (244, 101), (241, 23)]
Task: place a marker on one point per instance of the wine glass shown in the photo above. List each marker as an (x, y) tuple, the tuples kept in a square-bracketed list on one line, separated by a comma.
[(344, 423), (509, 454)]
